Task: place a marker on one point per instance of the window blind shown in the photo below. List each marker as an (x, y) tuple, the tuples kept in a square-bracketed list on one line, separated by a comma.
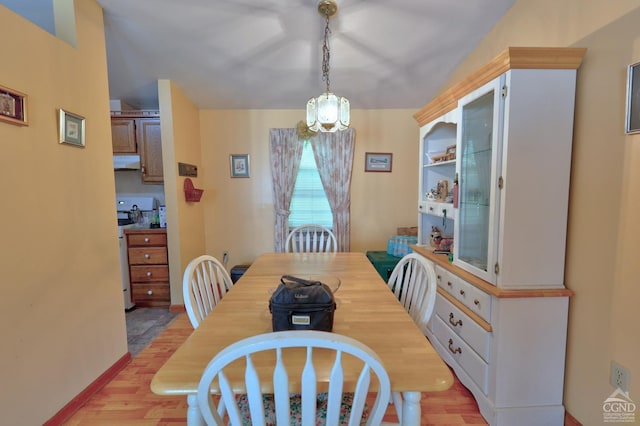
[(309, 204)]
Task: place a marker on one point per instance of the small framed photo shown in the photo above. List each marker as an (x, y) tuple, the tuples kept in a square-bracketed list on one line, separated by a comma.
[(377, 161), (451, 152), (13, 106), (239, 165), (633, 99), (71, 128)]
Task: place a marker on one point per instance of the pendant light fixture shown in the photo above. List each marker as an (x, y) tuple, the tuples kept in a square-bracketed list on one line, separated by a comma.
[(327, 112)]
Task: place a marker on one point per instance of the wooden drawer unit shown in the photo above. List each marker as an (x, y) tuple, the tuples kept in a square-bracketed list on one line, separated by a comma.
[(147, 255), (147, 240), (151, 294), (149, 273), (148, 267)]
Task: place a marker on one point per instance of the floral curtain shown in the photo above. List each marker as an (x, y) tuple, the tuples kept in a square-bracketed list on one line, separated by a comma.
[(285, 151), (334, 156)]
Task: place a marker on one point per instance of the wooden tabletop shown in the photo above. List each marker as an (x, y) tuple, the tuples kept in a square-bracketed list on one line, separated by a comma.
[(366, 310)]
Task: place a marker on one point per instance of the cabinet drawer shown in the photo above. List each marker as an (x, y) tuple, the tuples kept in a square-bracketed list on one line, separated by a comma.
[(436, 208), (466, 357), (150, 293), (445, 280), (475, 336), (150, 273), (144, 240), (147, 255), (473, 298)]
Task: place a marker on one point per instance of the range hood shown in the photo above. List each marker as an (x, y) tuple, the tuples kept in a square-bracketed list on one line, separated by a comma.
[(126, 162)]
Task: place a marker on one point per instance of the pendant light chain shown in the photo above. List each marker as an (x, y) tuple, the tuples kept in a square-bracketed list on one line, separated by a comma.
[(327, 112), (326, 55)]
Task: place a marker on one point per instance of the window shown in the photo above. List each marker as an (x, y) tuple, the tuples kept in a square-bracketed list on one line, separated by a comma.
[(309, 204)]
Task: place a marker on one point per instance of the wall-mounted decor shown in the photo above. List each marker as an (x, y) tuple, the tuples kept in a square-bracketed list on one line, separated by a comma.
[(71, 128), (377, 161), (191, 193), (239, 165), (185, 169), (13, 106), (633, 99)]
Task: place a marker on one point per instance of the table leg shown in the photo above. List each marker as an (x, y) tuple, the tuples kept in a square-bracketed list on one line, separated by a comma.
[(411, 408), (194, 418)]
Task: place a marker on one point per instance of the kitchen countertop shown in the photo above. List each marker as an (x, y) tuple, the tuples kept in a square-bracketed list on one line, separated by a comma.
[(143, 229)]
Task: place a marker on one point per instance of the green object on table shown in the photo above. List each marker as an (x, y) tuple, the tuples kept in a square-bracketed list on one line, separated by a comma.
[(383, 262)]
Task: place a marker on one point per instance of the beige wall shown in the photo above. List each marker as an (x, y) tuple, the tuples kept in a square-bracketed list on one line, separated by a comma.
[(180, 144), (603, 235), (239, 212), (62, 314)]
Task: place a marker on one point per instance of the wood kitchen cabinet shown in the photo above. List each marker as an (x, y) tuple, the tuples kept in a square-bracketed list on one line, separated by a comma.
[(123, 136), (501, 311), (148, 267), (139, 132), (150, 146)]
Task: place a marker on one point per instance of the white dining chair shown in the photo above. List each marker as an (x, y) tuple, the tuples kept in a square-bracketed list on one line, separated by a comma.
[(413, 281), (279, 405), (204, 283), (311, 239)]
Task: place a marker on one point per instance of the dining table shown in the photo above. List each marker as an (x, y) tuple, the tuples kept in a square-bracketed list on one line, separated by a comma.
[(366, 310)]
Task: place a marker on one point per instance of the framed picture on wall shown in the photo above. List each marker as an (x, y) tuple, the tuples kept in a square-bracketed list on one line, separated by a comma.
[(377, 161), (71, 128), (239, 165), (13, 106), (633, 99)]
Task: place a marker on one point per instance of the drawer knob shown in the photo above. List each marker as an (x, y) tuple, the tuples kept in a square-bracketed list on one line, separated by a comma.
[(439, 277), (456, 350), (146, 239), (449, 283), (454, 323), (150, 292), (476, 302), (148, 273), (147, 256), (461, 292)]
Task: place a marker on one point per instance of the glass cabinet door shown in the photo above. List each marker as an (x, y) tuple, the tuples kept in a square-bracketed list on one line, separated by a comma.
[(475, 240)]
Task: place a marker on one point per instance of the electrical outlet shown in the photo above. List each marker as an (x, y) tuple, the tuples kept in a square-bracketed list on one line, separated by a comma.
[(225, 257), (619, 377)]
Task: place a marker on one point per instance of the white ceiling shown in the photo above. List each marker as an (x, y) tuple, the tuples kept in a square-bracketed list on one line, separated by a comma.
[(266, 54)]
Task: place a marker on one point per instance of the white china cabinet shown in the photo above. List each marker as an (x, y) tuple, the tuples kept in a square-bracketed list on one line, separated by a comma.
[(501, 312)]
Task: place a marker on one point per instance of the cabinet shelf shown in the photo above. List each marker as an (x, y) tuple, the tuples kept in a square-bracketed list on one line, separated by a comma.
[(442, 163), (437, 138), (474, 204)]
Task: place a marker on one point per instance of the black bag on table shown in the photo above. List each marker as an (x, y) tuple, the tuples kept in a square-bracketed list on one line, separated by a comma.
[(299, 304)]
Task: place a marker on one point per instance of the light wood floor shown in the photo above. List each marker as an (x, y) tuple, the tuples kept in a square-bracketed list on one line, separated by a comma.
[(127, 399)]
